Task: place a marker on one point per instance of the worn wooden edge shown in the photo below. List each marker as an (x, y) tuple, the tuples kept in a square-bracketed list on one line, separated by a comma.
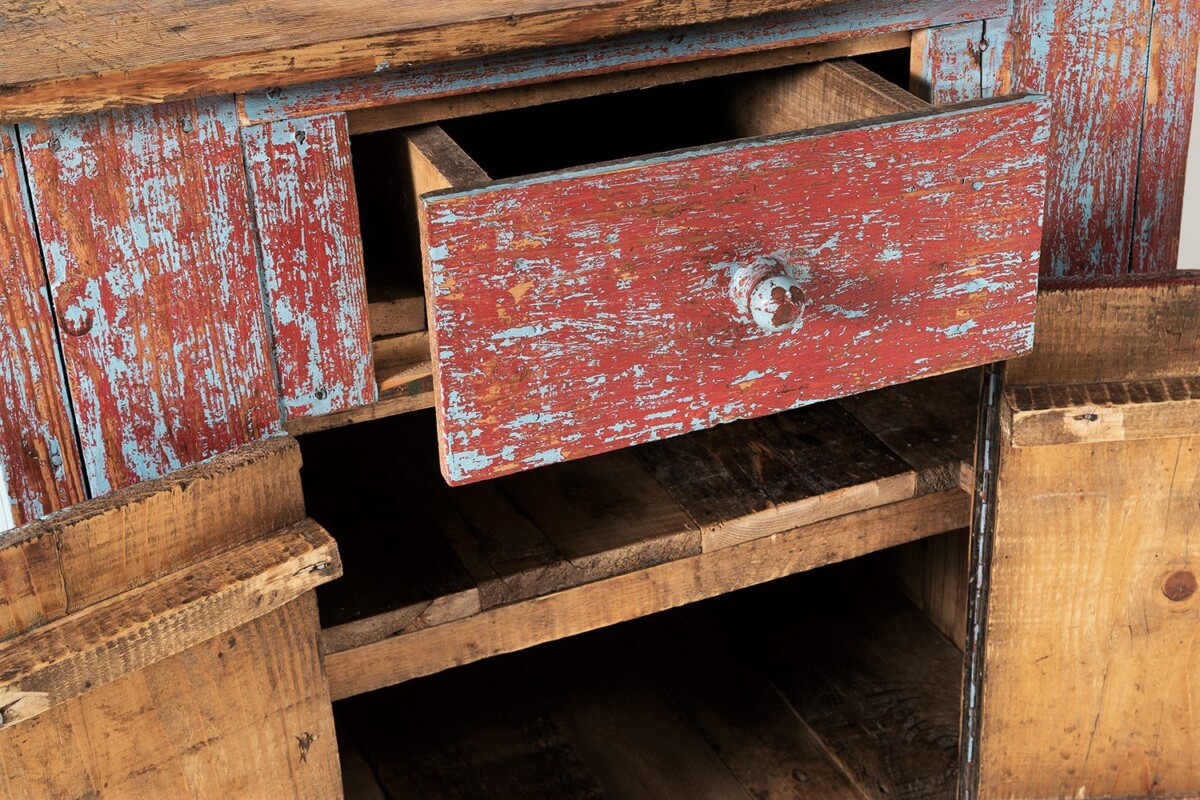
[(401, 359), (410, 397), (428, 33), (424, 111), (99, 644), (1111, 411), (530, 622)]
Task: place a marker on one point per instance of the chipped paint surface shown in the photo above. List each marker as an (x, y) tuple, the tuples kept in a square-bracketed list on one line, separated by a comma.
[(312, 262), (854, 18), (146, 232), (38, 454), (1090, 57), (947, 63), (916, 241), (1166, 127)]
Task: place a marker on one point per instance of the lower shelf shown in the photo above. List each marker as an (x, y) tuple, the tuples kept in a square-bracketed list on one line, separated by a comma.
[(437, 577), (825, 685)]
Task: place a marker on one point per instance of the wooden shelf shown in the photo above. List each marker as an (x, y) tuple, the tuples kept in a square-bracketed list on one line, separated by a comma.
[(438, 576), (849, 694)]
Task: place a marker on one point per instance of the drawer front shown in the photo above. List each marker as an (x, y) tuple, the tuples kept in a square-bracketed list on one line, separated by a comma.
[(587, 310)]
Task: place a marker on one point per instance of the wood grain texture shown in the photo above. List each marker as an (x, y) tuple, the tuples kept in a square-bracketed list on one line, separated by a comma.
[(929, 423), (758, 477), (145, 226), (102, 547), (1150, 324), (393, 310), (1092, 623), (589, 50), (93, 647), (934, 573), (400, 360), (1166, 129), (947, 62), (410, 397), (312, 263), (246, 714), (1091, 57), (521, 625), (1102, 412), (577, 315), (38, 453), (79, 60)]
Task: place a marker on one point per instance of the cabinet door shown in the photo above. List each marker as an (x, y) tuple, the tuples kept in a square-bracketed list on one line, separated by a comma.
[(162, 641)]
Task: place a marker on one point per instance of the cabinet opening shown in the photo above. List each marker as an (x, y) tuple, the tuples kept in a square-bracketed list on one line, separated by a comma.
[(825, 685)]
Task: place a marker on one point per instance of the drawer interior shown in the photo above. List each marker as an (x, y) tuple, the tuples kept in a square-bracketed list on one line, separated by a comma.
[(583, 131)]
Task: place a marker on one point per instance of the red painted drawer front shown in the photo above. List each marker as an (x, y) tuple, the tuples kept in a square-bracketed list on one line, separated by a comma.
[(583, 311)]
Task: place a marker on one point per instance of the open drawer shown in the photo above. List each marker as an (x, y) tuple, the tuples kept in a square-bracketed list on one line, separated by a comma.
[(859, 238)]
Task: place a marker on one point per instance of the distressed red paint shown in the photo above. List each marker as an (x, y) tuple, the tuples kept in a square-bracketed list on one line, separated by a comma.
[(307, 214), (1166, 127), (146, 231), (1089, 56), (590, 310), (37, 445), (947, 63)]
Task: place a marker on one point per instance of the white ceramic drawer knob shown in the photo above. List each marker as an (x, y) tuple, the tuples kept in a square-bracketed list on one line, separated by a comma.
[(771, 297)]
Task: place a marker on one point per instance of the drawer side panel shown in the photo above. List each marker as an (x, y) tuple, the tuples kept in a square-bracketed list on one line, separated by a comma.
[(586, 311)]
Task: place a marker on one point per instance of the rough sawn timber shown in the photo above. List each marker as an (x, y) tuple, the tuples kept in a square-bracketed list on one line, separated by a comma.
[(598, 313)]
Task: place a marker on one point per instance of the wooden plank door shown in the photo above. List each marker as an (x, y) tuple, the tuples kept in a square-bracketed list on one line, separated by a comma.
[(162, 641), (1083, 683)]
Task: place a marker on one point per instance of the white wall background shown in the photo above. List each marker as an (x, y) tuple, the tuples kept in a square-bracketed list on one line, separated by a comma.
[(1189, 242)]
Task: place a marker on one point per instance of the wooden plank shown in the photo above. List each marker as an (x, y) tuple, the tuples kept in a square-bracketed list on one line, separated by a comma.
[(1092, 57), (557, 374), (145, 225), (400, 360), (78, 61), (929, 423), (91, 648), (1151, 329), (589, 52), (605, 602), (772, 751), (868, 673), (828, 93), (246, 714), (756, 478), (102, 547), (1166, 127), (312, 263), (409, 112), (946, 63), (404, 575), (410, 397), (1091, 622), (39, 458), (1102, 412), (393, 310)]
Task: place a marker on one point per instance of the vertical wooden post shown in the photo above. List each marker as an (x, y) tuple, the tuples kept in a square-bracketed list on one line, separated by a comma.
[(145, 225), (307, 214), (38, 454)]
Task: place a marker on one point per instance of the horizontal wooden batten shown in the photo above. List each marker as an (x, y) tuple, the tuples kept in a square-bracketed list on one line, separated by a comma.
[(593, 274), (408, 78), (740, 504), (106, 641), (1102, 412)]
